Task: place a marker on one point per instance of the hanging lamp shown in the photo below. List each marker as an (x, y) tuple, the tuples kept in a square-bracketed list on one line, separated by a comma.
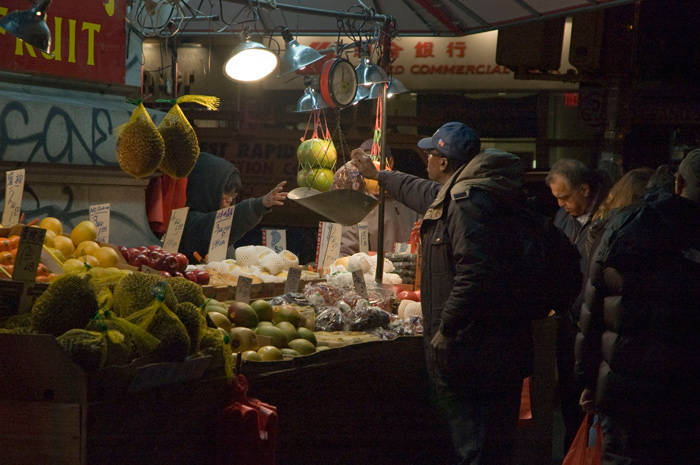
[(30, 26)]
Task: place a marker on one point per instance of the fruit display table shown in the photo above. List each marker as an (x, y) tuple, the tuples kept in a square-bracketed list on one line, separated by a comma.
[(370, 403)]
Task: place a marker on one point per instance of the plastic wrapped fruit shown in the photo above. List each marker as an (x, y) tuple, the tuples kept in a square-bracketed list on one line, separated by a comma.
[(348, 177)]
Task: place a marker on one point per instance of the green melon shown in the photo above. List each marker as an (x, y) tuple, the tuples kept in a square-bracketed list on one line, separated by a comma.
[(302, 346), (289, 329), (279, 338)]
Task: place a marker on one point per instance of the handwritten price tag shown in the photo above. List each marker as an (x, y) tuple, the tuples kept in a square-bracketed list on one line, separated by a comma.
[(31, 241), (174, 233), (14, 187), (293, 278), (243, 289), (358, 279), (363, 236), (220, 234), (402, 247), (99, 216), (276, 239)]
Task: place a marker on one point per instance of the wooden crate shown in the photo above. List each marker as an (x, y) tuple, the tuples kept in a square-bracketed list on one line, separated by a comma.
[(51, 411)]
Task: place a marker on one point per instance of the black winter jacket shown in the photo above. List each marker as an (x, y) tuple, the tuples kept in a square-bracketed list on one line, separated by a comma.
[(469, 238), (640, 322), (205, 185)]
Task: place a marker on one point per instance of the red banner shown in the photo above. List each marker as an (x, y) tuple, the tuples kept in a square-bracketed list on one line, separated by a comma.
[(88, 41)]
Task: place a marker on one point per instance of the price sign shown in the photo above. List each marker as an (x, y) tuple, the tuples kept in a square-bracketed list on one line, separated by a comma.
[(276, 239), (363, 236), (293, 278), (99, 216), (14, 187), (148, 270), (328, 251), (243, 289), (175, 227), (31, 241), (218, 244), (402, 247), (358, 279)]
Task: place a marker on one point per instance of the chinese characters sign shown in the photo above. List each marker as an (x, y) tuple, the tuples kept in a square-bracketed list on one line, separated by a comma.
[(14, 186), (174, 233), (220, 234)]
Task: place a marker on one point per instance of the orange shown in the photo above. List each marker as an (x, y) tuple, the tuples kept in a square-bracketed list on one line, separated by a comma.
[(52, 224), (14, 241), (84, 231), (42, 270), (86, 247), (7, 258), (4, 244)]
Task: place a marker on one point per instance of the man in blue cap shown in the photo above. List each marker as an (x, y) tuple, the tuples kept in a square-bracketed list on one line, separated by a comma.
[(478, 347)]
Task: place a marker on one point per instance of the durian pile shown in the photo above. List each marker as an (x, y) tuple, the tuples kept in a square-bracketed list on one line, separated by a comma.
[(258, 262), (105, 318)]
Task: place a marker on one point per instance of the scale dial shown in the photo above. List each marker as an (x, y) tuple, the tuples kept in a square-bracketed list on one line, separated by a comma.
[(338, 83)]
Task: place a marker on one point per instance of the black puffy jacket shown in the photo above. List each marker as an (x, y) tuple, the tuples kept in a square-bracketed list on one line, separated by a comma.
[(469, 248), (640, 322)]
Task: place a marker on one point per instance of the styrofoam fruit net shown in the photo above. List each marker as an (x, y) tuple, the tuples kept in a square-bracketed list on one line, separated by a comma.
[(359, 261), (240, 270), (219, 267), (247, 255), (272, 263), (289, 258)]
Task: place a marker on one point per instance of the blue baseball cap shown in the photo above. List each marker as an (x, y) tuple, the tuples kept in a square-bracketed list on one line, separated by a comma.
[(454, 140)]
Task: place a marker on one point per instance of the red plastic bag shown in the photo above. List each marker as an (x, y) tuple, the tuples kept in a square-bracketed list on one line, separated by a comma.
[(586, 450)]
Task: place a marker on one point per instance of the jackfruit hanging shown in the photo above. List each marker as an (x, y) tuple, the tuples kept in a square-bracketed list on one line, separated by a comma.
[(140, 147), (181, 144)]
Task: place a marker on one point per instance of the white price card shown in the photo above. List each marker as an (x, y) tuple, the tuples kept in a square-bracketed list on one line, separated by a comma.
[(328, 246), (175, 227), (402, 247), (99, 216), (293, 278), (243, 289), (276, 239), (31, 241), (363, 236), (358, 280), (220, 234), (14, 188)]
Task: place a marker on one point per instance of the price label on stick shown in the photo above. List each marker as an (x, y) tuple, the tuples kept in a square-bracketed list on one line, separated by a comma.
[(99, 216), (328, 247), (358, 279), (293, 278), (276, 239), (14, 187), (243, 289), (363, 236), (218, 244), (31, 241), (175, 227)]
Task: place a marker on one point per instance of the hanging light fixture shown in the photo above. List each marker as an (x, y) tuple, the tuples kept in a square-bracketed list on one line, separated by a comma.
[(297, 56), (30, 26), (311, 100), (250, 61), (367, 72), (395, 87)]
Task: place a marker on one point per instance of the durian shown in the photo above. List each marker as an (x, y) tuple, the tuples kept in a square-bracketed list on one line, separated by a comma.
[(140, 147), (68, 303), (138, 290)]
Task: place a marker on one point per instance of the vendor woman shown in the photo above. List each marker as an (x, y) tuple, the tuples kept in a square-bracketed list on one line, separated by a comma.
[(213, 184)]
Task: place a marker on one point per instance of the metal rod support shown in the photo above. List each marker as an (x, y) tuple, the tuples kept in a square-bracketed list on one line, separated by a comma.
[(273, 5)]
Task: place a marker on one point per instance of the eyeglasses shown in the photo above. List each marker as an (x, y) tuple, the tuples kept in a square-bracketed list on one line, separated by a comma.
[(230, 196)]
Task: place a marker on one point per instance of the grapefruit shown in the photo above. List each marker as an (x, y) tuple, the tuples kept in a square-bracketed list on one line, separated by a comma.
[(49, 239), (84, 231), (107, 256), (64, 245), (85, 247), (52, 224)]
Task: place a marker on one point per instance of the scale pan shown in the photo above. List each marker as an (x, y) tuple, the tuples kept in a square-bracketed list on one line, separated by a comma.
[(344, 206)]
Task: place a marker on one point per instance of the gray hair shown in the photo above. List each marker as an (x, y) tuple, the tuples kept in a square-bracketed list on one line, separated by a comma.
[(574, 172)]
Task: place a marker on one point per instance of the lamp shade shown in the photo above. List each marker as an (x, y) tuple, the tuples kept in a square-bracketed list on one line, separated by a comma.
[(395, 87), (368, 73), (30, 26), (296, 56), (250, 61), (311, 100)]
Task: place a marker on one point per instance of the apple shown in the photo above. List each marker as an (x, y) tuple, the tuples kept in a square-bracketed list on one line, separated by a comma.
[(178, 274), (139, 260), (143, 249), (408, 295), (167, 263), (154, 256), (202, 277), (165, 274), (154, 247), (124, 251), (182, 260), (191, 276)]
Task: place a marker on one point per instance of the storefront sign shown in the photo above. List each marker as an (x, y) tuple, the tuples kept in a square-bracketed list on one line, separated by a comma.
[(88, 41), (14, 187)]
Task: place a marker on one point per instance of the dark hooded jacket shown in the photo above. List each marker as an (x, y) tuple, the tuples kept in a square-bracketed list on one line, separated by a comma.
[(205, 185), (469, 245), (640, 324)]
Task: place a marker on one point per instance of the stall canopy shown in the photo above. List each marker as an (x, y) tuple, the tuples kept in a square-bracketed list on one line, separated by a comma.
[(411, 17)]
